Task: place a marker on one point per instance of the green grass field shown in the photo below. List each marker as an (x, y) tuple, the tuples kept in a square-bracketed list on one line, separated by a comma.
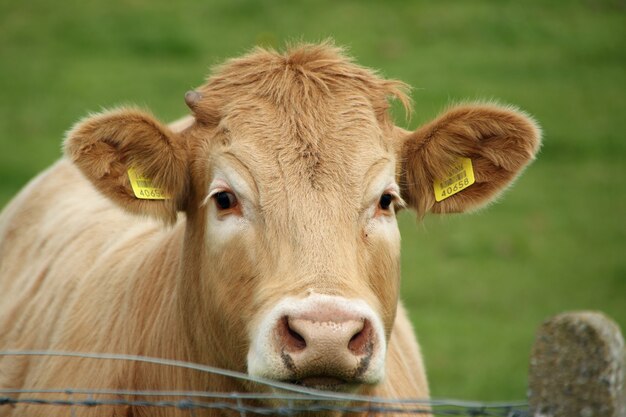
[(477, 286)]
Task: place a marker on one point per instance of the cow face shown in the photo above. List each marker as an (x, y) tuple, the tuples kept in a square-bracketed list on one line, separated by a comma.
[(305, 198), (290, 177)]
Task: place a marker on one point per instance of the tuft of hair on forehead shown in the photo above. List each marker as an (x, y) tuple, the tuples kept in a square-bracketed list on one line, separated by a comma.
[(303, 73)]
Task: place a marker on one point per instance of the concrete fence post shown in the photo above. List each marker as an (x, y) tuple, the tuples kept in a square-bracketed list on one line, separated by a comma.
[(577, 367)]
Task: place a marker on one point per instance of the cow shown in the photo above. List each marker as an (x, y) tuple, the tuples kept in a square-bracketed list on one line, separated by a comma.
[(258, 234)]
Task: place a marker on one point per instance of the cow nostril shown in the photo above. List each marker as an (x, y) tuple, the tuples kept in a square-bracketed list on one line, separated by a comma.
[(297, 338), (361, 342), (291, 338)]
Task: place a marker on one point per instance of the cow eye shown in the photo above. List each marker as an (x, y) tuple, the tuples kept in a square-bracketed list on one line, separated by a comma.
[(225, 200), (385, 201)]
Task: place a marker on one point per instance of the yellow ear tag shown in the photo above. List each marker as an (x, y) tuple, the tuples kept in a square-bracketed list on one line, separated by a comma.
[(143, 187), (460, 177)]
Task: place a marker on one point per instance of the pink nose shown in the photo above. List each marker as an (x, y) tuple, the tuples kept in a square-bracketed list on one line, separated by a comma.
[(328, 346)]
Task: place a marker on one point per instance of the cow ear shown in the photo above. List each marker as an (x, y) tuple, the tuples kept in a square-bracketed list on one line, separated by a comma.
[(498, 141), (106, 146)]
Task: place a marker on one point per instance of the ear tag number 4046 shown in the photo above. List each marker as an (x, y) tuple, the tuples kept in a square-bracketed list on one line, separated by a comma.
[(144, 188), (460, 177)]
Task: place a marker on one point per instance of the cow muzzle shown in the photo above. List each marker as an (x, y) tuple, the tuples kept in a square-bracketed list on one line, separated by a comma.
[(324, 342)]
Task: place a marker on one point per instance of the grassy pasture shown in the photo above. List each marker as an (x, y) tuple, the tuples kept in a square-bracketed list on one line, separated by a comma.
[(477, 286)]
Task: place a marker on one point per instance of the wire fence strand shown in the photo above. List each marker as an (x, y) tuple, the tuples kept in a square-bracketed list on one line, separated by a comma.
[(284, 399)]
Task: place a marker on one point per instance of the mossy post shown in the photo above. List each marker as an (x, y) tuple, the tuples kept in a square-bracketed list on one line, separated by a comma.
[(577, 367)]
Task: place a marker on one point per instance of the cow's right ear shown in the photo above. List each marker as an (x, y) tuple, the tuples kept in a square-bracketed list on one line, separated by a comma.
[(106, 146)]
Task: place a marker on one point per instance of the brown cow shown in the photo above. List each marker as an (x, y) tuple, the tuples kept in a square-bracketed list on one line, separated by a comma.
[(276, 251)]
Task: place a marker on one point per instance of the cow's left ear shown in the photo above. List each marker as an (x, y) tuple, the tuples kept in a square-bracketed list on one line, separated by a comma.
[(134, 160), (498, 141)]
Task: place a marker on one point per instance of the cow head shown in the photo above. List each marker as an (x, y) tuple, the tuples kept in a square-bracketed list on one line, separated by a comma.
[(290, 176)]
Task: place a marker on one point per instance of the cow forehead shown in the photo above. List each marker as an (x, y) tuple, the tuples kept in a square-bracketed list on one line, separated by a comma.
[(324, 145), (307, 119)]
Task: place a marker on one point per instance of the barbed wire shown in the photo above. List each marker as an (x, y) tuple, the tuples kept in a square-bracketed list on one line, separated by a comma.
[(291, 399)]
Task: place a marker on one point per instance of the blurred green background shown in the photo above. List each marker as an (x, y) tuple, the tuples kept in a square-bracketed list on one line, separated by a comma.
[(477, 286)]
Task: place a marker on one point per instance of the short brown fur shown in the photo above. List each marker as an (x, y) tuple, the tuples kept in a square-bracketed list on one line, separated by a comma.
[(77, 273)]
